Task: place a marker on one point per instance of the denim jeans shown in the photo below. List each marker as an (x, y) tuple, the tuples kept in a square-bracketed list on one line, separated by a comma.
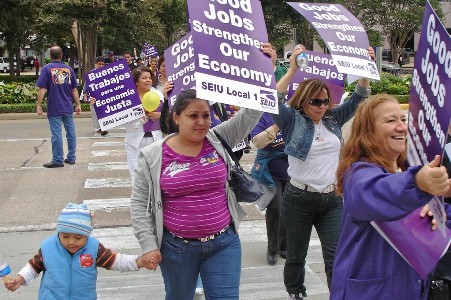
[(57, 138), (218, 261), (300, 211)]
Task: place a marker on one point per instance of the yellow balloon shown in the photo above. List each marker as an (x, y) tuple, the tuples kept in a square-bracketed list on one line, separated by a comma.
[(150, 101)]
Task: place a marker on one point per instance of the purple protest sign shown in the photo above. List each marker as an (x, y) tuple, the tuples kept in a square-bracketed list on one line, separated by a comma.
[(344, 36), (148, 51), (429, 102), (320, 66), (414, 240), (230, 67), (430, 91), (180, 65), (117, 101), (428, 119)]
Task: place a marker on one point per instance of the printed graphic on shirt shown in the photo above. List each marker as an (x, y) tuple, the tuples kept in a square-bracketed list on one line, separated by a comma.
[(319, 137), (175, 168), (86, 260), (60, 76), (211, 158)]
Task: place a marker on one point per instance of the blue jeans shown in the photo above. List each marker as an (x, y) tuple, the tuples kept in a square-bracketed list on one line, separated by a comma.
[(218, 261), (57, 138), (300, 211)]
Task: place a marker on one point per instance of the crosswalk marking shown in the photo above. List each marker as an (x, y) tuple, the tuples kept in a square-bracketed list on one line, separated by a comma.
[(123, 238), (114, 152), (102, 204), (260, 281), (108, 144), (108, 183), (116, 165)]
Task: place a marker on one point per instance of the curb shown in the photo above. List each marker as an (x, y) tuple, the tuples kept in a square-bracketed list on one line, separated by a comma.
[(32, 116)]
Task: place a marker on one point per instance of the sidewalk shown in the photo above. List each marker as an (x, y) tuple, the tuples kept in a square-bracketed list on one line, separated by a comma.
[(31, 116)]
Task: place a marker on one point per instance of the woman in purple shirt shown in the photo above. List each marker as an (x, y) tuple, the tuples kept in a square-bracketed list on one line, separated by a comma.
[(377, 186)]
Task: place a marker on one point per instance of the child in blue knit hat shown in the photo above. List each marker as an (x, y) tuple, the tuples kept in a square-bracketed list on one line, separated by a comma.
[(69, 259)]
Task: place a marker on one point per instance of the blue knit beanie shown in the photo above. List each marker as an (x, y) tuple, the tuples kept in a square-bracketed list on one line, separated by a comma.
[(75, 218)]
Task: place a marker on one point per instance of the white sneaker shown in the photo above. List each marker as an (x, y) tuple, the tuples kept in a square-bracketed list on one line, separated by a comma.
[(199, 291)]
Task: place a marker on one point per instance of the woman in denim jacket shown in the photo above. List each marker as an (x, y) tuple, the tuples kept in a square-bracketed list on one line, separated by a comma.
[(311, 130)]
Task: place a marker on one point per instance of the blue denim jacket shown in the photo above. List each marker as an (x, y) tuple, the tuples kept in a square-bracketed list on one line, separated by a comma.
[(298, 129), (260, 170)]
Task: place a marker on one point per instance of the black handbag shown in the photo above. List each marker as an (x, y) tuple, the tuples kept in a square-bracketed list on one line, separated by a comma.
[(440, 288), (246, 188)]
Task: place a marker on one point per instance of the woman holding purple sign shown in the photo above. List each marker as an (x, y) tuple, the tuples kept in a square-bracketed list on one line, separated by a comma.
[(140, 134), (183, 211), (377, 186), (311, 130)]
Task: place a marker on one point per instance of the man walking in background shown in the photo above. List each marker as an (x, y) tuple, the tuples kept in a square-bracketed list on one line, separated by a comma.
[(60, 83)]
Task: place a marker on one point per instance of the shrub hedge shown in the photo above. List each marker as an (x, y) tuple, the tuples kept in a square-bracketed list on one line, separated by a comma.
[(20, 95)]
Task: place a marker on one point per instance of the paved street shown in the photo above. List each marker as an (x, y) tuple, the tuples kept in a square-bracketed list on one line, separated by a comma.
[(33, 196)]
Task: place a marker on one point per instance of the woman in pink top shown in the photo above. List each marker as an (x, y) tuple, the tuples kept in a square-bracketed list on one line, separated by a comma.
[(184, 214)]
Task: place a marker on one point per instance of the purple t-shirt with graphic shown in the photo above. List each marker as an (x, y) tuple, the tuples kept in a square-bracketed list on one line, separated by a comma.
[(193, 191), (59, 80)]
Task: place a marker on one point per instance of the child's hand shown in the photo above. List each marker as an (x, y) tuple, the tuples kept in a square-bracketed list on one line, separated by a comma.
[(13, 283)]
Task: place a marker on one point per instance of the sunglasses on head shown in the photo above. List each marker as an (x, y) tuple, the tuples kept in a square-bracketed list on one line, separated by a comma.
[(319, 102)]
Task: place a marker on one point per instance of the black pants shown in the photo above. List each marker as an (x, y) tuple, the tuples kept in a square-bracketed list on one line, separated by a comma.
[(275, 229)]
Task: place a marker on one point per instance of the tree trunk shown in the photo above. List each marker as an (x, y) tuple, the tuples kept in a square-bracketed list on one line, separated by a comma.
[(86, 41)]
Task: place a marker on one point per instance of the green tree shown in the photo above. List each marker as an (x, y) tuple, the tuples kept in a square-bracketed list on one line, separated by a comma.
[(15, 20), (397, 20)]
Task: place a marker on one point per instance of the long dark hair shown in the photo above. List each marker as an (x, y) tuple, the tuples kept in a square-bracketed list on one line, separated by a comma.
[(180, 104)]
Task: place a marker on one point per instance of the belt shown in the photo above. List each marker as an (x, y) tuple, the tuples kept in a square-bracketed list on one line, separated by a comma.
[(301, 186), (202, 239), (148, 134)]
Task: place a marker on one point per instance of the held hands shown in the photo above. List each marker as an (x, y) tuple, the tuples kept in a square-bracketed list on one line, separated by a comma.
[(432, 178), (13, 283), (151, 259)]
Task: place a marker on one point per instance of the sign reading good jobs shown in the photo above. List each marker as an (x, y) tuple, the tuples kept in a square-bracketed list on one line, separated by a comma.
[(180, 65), (117, 101), (430, 103), (344, 36), (229, 65)]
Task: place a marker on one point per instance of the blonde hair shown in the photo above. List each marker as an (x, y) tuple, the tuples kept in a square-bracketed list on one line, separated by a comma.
[(361, 144), (306, 91)]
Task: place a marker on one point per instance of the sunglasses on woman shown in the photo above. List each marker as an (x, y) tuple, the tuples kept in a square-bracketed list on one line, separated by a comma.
[(319, 102)]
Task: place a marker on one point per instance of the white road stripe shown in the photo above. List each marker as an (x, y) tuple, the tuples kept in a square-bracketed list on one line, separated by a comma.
[(117, 165), (108, 153), (103, 204), (107, 144), (250, 232), (108, 183)]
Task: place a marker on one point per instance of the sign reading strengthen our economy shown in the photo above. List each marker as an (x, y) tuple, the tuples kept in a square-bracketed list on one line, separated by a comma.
[(430, 92), (229, 65), (344, 36), (320, 66), (117, 101)]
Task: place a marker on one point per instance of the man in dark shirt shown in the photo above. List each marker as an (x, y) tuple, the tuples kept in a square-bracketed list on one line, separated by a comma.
[(59, 82)]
